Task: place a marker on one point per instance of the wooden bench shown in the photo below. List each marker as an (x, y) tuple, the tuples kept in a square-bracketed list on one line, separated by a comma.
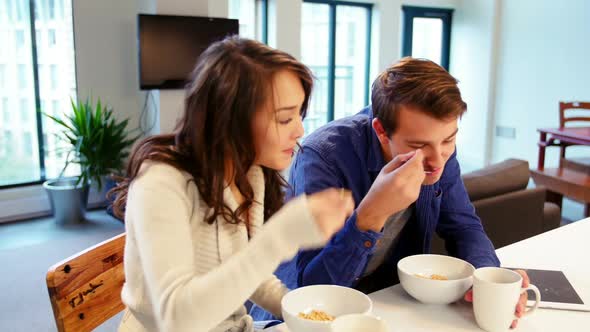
[(85, 289), (563, 181)]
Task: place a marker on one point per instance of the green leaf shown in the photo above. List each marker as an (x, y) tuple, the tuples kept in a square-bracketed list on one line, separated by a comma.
[(99, 143)]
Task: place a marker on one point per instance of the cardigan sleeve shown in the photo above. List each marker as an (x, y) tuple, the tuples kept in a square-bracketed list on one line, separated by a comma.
[(269, 295), (160, 208)]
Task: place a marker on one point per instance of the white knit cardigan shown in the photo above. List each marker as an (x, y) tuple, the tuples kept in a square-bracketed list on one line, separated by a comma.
[(183, 274)]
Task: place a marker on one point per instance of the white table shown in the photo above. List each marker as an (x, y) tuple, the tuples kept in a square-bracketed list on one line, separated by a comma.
[(566, 248)]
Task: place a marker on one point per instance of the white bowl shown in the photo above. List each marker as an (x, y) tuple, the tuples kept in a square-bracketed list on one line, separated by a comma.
[(359, 323), (333, 300), (426, 290)]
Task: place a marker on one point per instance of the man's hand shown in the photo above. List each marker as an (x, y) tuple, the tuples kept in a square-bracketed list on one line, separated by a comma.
[(520, 306), (395, 188)]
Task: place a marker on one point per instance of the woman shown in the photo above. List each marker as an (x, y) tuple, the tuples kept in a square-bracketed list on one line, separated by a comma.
[(202, 206)]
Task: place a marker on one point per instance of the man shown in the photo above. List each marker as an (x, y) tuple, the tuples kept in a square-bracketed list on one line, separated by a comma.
[(399, 160)]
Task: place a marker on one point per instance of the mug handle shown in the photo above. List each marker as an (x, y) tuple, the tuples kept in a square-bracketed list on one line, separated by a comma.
[(537, 299)]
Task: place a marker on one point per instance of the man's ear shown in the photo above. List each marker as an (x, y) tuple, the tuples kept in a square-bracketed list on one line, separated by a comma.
[(380, 131)]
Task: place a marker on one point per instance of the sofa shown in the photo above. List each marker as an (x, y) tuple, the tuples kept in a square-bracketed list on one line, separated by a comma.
[(509, 211)]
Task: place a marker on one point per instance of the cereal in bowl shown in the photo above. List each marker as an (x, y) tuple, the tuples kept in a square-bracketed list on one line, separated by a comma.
[(316, 315), (432, 276)]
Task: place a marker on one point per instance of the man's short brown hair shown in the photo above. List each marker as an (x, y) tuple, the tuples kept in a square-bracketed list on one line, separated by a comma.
[(415, 83)]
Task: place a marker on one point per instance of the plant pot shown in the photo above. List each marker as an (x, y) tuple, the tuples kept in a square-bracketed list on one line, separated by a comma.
[(68, 201)]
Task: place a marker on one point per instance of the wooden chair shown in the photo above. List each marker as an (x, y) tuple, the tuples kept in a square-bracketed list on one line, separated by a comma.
[(572, 177), (577, 164), (85, 289)]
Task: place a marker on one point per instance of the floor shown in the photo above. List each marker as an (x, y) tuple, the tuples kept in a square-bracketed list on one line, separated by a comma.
[(27, 250), (571, 211)]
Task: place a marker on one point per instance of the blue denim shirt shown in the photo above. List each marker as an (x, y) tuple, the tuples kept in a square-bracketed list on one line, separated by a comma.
[(346, 154)]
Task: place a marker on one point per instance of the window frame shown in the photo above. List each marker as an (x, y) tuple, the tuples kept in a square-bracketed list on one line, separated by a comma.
[(332, 48), (445, 14), (37, 92), (263, 19)]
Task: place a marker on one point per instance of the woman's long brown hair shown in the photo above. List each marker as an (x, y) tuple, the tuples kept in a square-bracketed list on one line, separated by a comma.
[(230, 83)]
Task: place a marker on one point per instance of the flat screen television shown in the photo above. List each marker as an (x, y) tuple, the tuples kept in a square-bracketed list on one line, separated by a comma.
[(170, 45)]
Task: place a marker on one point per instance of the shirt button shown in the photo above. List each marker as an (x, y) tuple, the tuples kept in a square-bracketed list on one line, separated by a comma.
[(368, 244)]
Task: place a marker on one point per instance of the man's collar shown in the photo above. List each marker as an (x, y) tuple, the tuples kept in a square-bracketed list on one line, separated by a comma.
[(376, 161)]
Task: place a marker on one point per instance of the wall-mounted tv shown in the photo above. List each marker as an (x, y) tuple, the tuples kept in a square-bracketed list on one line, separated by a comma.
[(170, 45)]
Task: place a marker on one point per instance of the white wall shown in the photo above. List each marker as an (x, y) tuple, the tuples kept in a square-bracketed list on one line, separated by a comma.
[(106, 54), (544, 58), (285, 23), (472, 63)]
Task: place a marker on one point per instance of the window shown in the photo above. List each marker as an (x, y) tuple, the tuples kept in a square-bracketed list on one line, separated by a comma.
[(2, 75), (3, 152), (53, 76), (5, 107), (51, 39), (427, 33), (60, 13), (38, 10), (5, 112), (9, 143), (20, 38), (44, 107), (51, 9), (20, 10), (47, 141), (22, 76), (5, 9), (24, 110), (253, 17), (38, 36), (55, 107), (342, 68), (27, 144), (24, 159), (4, 36)]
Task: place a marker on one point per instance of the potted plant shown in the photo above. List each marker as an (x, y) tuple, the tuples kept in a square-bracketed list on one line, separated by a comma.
[(99, 145)]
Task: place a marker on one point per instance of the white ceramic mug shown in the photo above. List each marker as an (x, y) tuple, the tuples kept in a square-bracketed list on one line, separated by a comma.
[(496, 292), (358, 323)]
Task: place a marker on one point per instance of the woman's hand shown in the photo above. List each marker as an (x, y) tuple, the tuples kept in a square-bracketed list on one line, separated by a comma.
[(330, 208)]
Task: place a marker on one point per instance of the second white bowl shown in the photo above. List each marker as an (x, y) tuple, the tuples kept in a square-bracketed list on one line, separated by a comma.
[(413, 273)]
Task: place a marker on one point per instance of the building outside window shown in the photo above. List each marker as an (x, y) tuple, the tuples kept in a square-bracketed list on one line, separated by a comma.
[(335, 44), (253, 18), (427, 33), (24, 157)]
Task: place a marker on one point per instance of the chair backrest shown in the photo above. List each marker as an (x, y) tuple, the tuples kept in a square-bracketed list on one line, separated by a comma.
[(574, 105), (497, 179), (85, 289)]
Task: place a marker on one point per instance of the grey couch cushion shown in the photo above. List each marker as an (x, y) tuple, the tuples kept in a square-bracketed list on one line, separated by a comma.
[(506, 176)]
